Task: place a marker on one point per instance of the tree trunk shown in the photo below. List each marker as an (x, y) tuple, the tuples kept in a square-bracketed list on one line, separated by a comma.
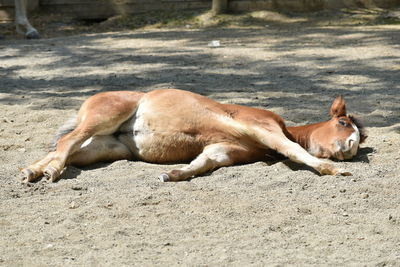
[(219, 6)]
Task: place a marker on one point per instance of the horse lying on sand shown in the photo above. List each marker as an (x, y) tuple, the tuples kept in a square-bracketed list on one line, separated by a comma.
[(165, 126)]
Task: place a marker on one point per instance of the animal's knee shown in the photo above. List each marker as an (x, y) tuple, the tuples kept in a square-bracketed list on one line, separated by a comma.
[(218, 154)]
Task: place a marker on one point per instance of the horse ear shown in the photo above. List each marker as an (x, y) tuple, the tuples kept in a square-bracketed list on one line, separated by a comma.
[(338, 107)]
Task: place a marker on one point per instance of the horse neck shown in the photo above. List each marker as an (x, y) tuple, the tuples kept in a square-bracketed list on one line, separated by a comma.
[(302, 134)]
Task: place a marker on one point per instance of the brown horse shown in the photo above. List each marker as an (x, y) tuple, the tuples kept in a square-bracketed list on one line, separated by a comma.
[(165, 126)]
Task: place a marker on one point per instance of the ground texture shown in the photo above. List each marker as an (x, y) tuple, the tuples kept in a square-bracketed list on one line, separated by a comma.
[(259, 214)]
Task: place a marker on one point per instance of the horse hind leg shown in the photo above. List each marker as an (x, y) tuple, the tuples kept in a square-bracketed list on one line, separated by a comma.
[(36, 170), (100, 149), (71, 143), (52, 165), (101, 114)]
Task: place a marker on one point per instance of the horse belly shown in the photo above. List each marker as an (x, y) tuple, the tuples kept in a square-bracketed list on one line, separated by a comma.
[(160, 148), (152, 141)]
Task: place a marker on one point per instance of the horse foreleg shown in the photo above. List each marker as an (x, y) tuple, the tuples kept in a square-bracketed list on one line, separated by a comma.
[(298, 154), (212, 157), (22, 22), (278, 141)]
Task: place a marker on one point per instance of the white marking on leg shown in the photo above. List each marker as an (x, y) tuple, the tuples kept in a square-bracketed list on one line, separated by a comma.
[(87, 142)]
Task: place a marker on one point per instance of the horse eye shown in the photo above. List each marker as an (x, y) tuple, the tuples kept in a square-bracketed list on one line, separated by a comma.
[(341, 122)]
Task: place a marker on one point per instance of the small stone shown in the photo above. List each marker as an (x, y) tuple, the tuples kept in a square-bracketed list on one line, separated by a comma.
[(365, 195), (73, 205), (7, 120), (76, 188)]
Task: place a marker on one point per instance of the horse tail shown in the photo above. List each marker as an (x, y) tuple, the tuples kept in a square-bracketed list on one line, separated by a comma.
[(66, 128)]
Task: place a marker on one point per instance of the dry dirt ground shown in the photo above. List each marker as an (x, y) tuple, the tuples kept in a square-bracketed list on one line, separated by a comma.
[(258, 214)]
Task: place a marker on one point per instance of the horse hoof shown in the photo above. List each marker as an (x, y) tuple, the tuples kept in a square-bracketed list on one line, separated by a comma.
[(28, 175), (32, 35), (51, 174), (164, 178), (328, 169)]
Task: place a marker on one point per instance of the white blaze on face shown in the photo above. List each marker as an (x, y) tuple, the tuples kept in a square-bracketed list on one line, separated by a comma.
[(353, 140)]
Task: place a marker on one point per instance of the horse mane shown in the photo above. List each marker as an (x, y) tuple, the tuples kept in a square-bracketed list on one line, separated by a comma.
[(360, 126)]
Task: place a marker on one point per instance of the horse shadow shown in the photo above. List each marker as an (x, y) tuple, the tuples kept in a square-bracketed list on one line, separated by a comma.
[(362, 155), (72, 172)]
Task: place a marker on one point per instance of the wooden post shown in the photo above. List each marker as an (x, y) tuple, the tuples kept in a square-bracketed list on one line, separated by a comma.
[(219, 6)]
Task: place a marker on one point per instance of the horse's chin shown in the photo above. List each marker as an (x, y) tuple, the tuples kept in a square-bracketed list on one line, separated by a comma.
[(348, 156), (336, 153), (343, 155)]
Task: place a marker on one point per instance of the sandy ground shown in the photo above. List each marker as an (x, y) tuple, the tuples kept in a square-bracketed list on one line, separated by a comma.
[(258, 214)]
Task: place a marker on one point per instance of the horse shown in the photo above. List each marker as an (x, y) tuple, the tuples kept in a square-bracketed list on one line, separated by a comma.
[(22, 22), (171, 125)]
